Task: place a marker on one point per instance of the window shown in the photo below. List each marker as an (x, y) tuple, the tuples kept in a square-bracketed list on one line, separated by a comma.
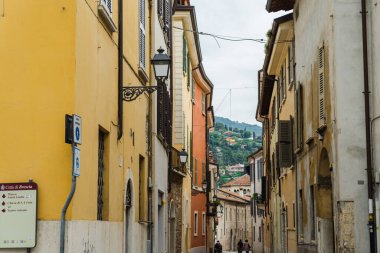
[(285, 144), (259, 233), (102, 199), (184, 54), (203, 103), (188, 71), (254, 233), (195, 180), (192, 88), (203, 172), (312, 212), (195, 223), (321, 59), (203, 223), (142, 34), (299, 117), (294, 216), (300, 213), (142, 189)]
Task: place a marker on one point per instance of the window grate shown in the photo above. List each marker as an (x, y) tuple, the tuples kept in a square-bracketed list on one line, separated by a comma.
[(100, 176)]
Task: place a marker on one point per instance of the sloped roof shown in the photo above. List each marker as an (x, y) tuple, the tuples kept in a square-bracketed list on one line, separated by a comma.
[(239, 181), (232, 196), (278, 5)]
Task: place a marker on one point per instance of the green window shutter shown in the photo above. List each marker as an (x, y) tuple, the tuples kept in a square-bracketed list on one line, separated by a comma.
[(184, 54), (193, 88), (188, 72)]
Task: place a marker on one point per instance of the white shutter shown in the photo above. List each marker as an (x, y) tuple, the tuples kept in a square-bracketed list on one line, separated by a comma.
[(321, 82), (108, 6), (142, 33)]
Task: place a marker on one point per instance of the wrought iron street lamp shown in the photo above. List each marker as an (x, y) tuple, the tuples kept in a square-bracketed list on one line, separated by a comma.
[(161, 67), (204, 185), (161, 64), (183, 157)]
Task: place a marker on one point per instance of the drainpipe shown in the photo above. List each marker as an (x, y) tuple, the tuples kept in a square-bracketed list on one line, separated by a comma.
[(120, 72), (208, 179), (63, 214), (150, 173), (371, 202)]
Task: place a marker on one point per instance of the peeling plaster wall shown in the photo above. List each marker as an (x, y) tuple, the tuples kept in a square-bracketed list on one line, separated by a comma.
[(337, 26)]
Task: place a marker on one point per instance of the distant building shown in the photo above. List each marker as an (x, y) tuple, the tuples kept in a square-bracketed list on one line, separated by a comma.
[(234, 221), (255, 161), (236, 168), (240, 185)]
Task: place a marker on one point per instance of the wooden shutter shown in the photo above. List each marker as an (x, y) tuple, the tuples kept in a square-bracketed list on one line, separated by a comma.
[(188, 71), (160, 109), (299, 116), (142, 34), (321, 82), (284, 145), (184, 53), (263, 188)]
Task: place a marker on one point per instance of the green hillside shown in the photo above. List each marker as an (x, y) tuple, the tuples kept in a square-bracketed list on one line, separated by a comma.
[(239, 125), (231, 144)]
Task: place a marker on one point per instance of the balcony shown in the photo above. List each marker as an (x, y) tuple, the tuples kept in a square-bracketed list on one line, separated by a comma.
[(175, 164)]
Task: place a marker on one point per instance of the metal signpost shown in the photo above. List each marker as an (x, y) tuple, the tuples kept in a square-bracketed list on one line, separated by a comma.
[(73, 136), (18, 215)]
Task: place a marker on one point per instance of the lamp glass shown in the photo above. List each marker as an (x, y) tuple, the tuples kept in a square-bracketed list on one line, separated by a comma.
[(161, 69), (204, 185), (183, 156), (214, 198)]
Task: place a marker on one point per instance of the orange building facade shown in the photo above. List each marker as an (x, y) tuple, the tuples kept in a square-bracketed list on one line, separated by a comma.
[(201, 96)]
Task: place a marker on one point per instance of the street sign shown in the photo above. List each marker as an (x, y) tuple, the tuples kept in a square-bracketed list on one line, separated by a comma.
[(18, 215), (77, 129), (76, 161)]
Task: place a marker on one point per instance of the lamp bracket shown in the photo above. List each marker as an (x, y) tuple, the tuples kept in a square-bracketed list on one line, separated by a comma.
[(130, 93)]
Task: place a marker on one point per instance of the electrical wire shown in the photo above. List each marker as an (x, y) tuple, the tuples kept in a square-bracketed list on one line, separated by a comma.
[(230, 38)]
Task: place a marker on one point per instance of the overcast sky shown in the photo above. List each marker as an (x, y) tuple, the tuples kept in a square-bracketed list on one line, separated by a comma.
[(235, 64)]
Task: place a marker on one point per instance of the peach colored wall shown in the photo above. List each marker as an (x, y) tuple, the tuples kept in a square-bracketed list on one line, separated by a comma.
[(198, 199)]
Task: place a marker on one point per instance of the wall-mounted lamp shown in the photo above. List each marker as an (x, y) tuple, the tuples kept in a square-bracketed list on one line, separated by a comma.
[(161, 67)]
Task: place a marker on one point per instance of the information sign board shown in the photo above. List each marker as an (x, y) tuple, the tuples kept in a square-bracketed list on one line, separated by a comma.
[(76, 162), (18, 215), (77, 129)]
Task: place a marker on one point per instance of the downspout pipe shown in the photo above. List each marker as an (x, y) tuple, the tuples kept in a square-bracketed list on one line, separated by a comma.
[(371, 200), (120, 72), (63, 214), (208, 176)]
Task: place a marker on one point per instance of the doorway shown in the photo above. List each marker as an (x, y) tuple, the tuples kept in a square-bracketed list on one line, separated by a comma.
[(325, 224), (128, 217)]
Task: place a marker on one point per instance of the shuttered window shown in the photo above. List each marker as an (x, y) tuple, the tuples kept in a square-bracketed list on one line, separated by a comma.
[(142, 35), (160, 8), (167, 13), (189, 77), (192, 88), (195, 181), (321, 83), (299, 116), (203, 172), (285, 143), (203, 103), (273, 116), (107, 5), (184, 54)]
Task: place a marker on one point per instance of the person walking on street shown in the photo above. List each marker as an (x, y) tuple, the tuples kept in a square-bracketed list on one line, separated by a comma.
[(246, 246), (240, 246), (218, 247)]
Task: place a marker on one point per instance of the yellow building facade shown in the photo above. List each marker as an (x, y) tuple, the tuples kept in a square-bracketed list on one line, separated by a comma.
[(61, 58)]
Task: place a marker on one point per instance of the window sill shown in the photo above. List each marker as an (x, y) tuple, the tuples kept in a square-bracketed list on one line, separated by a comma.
[(106, 18), (143, 74)]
